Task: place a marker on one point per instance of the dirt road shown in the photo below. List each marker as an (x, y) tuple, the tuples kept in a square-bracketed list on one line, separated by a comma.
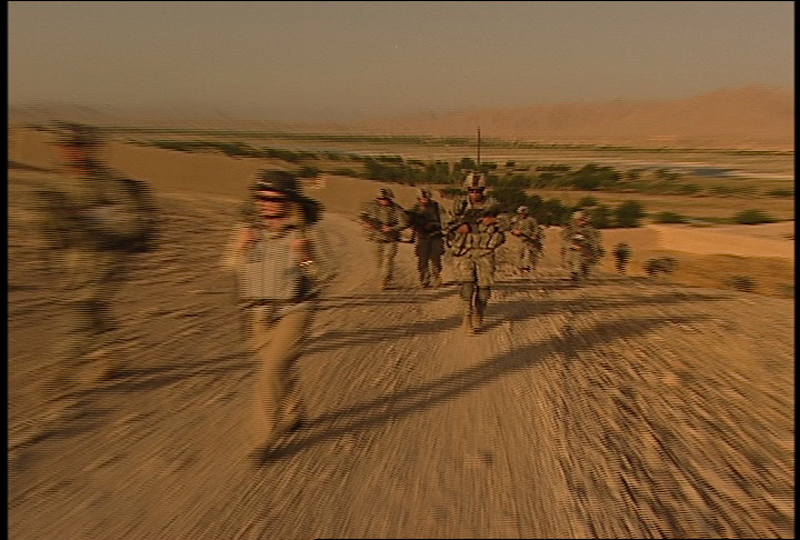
[(619, 409)]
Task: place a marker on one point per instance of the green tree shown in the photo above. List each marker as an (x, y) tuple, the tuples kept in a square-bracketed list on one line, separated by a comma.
[(629, 214), (601, 216)]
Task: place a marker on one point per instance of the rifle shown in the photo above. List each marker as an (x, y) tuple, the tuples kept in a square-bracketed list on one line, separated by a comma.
[(378, 226)]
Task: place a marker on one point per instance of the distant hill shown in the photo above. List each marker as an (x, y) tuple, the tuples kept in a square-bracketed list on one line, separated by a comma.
[(749, 117), (754, 117)]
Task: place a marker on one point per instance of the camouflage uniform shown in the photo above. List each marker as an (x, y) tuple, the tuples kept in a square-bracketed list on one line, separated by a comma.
[(375, 216), (473, 254), (530, 239), (91, 221), (426, 221), (279, 287), (582, 246)]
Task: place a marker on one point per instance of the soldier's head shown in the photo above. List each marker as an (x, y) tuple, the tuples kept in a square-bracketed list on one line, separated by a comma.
[(274, 192), (581, 217), (79, 144), (425, 196), (385, 197), (522, 210), (475, 184)]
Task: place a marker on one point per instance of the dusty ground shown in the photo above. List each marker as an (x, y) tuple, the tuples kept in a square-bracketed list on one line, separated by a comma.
[(623, 408)]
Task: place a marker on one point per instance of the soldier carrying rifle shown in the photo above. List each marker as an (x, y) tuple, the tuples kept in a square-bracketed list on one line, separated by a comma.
[(582, 246), (383, 219), (526, 228), (473, 234)]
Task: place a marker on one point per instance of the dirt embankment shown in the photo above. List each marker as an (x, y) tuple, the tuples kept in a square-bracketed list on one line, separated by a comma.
[(624, 408)]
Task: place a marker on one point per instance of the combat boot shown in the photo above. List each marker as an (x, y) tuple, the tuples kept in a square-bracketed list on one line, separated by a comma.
[(477, 319), (467, 322)]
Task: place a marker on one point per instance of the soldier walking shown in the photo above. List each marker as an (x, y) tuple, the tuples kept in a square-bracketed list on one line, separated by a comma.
[(283, 262), (582, 246), (527, 229), (622, 256), (93, 221), (383, 219), (473, 235), (426, 221)]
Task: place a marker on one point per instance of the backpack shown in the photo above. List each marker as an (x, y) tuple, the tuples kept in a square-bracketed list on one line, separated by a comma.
[(146, 239)]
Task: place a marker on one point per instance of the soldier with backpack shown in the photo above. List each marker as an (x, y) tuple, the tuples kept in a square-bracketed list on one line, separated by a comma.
[(93, 220)]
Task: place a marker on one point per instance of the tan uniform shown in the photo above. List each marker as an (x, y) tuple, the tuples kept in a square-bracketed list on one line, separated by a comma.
[(582, 248), (88, 235), (385, 243), (279, 297), (530, 240)]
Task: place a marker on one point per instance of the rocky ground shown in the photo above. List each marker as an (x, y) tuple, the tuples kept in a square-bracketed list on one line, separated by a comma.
[(622, 408)]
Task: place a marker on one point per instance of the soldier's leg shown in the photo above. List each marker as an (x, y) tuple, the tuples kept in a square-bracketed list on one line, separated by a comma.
[(390, 252), (276, 403), (482, 296), (485, 268), (437, 250), (422, 251)]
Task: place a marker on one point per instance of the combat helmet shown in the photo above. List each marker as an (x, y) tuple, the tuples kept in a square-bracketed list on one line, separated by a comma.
[(276, 180), (580, 214), (475, 180), (522, 209), (72, 134), (386, 193)]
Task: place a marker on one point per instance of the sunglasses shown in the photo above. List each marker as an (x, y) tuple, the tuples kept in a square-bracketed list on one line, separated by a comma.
[(266, 198)]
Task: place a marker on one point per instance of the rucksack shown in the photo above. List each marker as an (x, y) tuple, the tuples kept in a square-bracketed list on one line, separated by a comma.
[(146, 239)]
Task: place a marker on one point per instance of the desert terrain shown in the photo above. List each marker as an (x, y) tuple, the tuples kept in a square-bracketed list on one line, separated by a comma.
[(625, 407)]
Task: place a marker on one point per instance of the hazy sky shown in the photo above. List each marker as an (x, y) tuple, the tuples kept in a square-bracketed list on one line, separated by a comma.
[(387, 57)]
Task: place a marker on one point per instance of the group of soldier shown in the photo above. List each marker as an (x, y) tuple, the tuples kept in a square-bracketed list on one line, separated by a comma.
[(97, 218), (470, 234)]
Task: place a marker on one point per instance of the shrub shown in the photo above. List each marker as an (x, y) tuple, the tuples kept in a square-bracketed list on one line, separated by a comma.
[(781, 193), (741, 283), (601, 216), (344, 172), (661, 265), (308, 172), (587, 201), (752, 217), (629, 214), (669, 217)]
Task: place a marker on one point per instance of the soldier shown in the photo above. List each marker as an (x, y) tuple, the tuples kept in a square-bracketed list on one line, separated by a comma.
[(426, 221), (528, 231), (582, 246), (383, 219), (473, 235), (93, 221), (283, 262), (622, 255)]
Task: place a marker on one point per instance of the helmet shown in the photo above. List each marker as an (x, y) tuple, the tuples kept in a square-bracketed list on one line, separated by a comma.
[(425, 193), (580, 214), (475, 180), (71, 134), (522, 209), (277, 180), (386, 193)]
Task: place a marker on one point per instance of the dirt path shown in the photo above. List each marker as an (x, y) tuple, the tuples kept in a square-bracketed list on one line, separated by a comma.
[(619, 409)]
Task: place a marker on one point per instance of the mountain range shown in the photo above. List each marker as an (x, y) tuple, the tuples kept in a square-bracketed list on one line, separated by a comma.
[(753, 117)]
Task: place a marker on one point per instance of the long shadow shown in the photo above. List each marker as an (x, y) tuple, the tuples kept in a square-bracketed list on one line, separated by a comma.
[(88, 412), (517, 310), (411, 296), (427, 395)]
